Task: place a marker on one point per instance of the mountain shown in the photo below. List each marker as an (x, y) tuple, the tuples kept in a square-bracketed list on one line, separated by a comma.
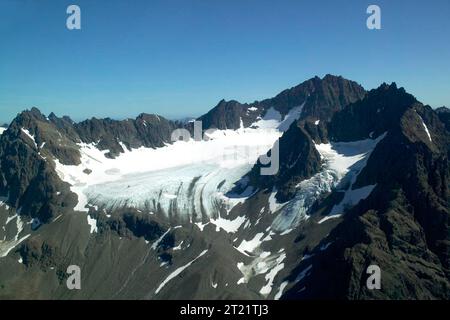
[(402, 225), (315, 98), (361, 178)]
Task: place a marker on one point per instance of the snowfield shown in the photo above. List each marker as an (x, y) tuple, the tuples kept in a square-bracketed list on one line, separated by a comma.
[(188, 179)]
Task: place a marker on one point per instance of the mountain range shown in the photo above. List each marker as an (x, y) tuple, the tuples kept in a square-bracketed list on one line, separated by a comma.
[(362, 178)]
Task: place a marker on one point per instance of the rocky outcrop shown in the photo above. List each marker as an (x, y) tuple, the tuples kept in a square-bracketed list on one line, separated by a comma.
[(321, 98)]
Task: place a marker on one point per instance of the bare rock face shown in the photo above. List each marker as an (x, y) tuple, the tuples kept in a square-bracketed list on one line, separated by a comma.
[(321, 98)]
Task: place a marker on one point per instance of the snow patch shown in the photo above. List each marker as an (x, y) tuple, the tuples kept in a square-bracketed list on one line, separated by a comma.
[(177, 272), (247, 247), (29, 135), (270, 277), (92, 223), (229, 226), (351, 198), (280, 290), (425, 127), (157, 242)]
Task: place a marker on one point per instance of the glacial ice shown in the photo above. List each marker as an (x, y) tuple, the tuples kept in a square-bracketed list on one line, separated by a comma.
[(187, 179), (343, 161), (190, 180)]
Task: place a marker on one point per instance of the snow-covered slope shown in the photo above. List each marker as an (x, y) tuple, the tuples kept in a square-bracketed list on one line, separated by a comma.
[(188, 179), (342, 163), (2, 130)]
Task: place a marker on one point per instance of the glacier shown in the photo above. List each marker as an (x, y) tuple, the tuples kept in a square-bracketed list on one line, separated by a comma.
[(189, 180), (343, 161)]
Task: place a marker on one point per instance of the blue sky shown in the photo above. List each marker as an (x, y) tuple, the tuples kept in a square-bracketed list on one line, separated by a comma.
[(180, 57)]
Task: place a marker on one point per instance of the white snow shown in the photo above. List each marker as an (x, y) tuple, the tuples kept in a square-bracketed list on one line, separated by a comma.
[(273, 204), (185, 177), (425, 127), (317, 122), (280, 290), (7, 245), (293, 115), (169, 196), (270, 277), (92, 223), (271, 120), (156, 243), (29, 136), (252, 109), (2, 130), (3, 201), (229, 226), (200, 225), (177, 272), (9, 219), (328, 217), (247, 247), (274, 120), (342, 163), (351, 198), (178, 247), (264, 263)]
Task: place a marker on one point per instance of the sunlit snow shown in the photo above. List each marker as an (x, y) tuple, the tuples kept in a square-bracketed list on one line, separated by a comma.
[(425, 128), (189, 179), (342, 163), (92, 223), (177, 272), (29, 135)]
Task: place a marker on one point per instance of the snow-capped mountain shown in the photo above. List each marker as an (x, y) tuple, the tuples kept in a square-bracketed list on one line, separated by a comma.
[(362, 178)]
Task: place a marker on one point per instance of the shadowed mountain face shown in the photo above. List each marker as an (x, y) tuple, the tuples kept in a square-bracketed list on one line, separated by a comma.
[(362, 180)]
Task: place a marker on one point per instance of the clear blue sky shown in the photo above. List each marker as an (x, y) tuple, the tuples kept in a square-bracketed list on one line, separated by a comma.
[(180, 57)]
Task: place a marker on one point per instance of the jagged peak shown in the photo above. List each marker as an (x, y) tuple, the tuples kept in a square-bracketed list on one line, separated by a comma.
[(393, 90), (34, 112), (443, 109)]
